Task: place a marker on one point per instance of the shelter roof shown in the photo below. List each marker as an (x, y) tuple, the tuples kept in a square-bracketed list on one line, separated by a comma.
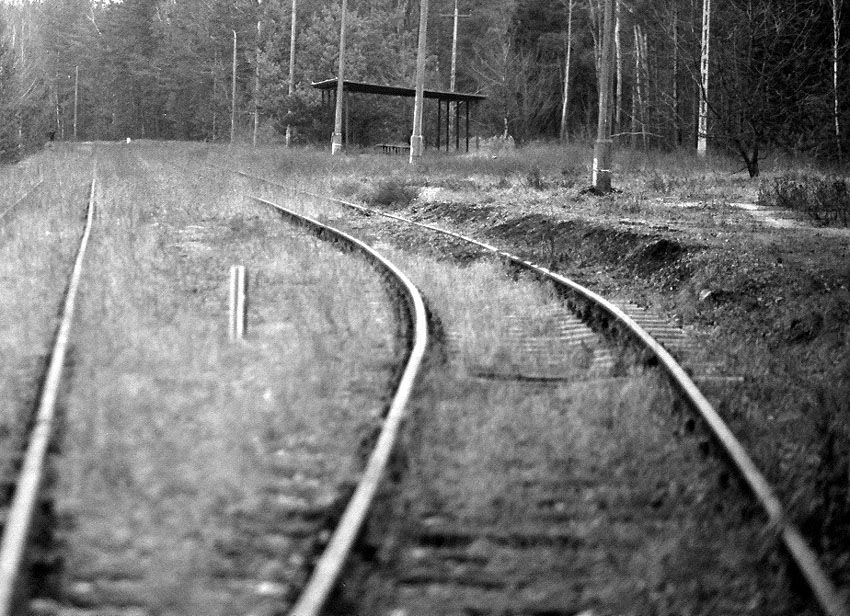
[(373, 88)]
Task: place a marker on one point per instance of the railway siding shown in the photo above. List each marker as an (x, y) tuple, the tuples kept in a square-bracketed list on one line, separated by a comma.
[(200, 476)]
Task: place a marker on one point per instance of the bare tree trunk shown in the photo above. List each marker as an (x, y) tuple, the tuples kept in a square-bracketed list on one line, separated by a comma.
[(596, 11), (291, 68), (677, 128), (257, 84), (702, 128), (618, 52), (76, 97), (60, 125), (214, 93), (643, 86), (636, 89), (233, 93), (566, 101), (836, 39)]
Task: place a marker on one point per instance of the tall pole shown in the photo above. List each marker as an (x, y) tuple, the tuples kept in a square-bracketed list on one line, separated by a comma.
[(416, 140), (76, 97), (602, 151), (336, 142), (291, 68), (453, 76), (233, 93), (702, 128), (454, 51)]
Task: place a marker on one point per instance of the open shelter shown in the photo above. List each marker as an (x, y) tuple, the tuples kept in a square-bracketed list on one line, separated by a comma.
[(328, 88)]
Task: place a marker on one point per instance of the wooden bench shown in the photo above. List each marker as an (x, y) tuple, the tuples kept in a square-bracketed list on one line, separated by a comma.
[(390, 148)]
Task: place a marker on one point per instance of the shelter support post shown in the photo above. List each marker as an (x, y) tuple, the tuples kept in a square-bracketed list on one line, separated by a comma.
[(467, 126), (448, 125), (439, 118), (457, 127)]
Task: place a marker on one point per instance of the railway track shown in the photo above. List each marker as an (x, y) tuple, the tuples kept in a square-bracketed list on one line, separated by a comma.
[(328, 567), (27, 503), (11, 207), (298, 502), (458, 543)]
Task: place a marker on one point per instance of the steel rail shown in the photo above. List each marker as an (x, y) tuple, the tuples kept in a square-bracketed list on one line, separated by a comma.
[(329, 566), (20, 199), (16, 533), (827, 596)]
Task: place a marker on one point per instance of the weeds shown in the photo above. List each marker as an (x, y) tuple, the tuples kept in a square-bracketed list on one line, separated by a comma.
[(535, 179), (391, 192), (829, 518), (824, 200)]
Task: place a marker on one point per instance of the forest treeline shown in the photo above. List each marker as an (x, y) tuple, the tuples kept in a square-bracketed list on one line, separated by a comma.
[(95, 69)]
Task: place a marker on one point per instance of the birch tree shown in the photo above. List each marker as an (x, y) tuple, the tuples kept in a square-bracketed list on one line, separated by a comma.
[(566, 99), (702, 123), (836, 6)]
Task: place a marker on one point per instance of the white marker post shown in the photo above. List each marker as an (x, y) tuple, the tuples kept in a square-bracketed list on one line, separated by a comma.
[(237, 302)]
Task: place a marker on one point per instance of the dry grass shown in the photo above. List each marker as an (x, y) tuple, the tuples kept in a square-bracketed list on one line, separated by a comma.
[(162, 375), (169, 426), (37, 242)]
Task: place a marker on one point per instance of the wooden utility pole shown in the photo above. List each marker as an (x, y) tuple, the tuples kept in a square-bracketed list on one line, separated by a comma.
[(76, 97), (602, 151), (566, 101), (336, 141), (702, 127), (233, 93), (416, 139), (291, 69)]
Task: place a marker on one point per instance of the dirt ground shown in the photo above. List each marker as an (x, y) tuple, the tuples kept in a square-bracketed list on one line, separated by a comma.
[(765, 294)]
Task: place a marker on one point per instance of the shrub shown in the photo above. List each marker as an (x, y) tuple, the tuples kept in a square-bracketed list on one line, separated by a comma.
[(535, 179), (391, 192), (824, 200), (347, 188)]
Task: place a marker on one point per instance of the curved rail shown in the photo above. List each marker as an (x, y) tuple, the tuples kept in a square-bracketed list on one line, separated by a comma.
[(20, 199), (329, 566), (21, 513), (825, 593)]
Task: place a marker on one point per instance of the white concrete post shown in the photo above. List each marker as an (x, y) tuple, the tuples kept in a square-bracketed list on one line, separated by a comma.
[(237, 302)]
